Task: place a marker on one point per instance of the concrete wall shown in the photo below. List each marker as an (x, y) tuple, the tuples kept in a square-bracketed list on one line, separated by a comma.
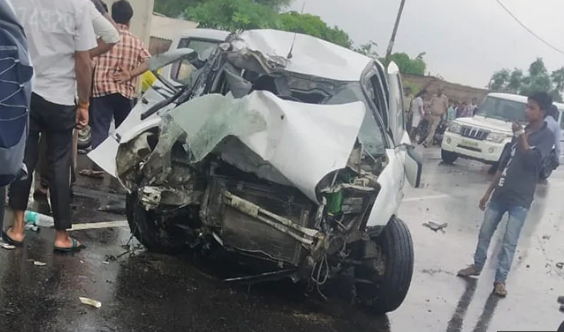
[(455, 92)]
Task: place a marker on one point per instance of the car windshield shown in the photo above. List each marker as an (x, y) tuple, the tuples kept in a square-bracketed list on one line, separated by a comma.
[(371, 134), (502, 109)]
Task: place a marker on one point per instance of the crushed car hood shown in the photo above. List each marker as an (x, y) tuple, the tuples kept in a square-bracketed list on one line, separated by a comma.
[(303, 54), (296, 143)]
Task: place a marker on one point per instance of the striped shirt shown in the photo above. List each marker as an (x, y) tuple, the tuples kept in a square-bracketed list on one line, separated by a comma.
[(126, 55)]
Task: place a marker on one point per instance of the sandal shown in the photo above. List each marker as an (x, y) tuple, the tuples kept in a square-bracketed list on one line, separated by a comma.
[(74, 248), (9, 240), (92, 173)]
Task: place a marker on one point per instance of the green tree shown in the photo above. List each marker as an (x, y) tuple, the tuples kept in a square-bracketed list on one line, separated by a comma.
[(537, 79), (369, 49), (314, 26), (233, 15), (179, 8), (407, 65)]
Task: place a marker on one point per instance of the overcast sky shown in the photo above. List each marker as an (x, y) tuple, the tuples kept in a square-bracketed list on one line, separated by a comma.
[(465, 40)]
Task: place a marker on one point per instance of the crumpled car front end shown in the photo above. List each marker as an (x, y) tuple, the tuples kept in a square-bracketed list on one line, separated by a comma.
[(263, 173)]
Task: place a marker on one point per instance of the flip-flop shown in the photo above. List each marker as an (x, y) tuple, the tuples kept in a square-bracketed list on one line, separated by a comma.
[(11, 241), (74, 248)]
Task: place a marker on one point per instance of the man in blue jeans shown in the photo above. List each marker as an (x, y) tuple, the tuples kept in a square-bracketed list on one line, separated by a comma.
[(513, 189)]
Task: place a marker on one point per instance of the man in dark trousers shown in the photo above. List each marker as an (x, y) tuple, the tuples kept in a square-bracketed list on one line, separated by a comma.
[(60, 53), (513, 188)]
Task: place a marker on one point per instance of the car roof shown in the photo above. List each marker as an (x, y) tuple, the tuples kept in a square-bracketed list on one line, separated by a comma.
[(508, 96), (520, 99), (212, 34), (310, 56)]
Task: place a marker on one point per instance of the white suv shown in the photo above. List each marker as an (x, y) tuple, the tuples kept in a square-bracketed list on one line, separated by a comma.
[(484, 136)]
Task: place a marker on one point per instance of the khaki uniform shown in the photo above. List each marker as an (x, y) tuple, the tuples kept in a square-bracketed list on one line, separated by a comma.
[(439, 106)]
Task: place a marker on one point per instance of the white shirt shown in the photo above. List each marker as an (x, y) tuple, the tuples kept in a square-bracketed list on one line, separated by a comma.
[(417, 106), (55, 31), (102, 27)]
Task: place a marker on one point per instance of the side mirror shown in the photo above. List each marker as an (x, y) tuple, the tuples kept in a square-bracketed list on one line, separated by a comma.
[(413, 166), (162, 60)]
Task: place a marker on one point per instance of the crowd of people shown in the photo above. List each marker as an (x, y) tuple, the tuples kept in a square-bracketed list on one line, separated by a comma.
[(86, 65), (418, 109)]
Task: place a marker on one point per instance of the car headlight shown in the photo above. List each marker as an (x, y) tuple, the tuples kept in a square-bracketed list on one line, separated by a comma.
[(496, 137), (455, 128)]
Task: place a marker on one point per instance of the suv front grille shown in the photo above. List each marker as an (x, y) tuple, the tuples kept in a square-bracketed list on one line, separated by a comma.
[(474, 133)]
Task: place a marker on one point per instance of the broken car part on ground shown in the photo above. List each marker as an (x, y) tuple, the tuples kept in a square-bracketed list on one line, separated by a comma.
[(286, 151)]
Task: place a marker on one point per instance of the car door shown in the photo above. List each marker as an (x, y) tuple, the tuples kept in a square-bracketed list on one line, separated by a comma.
[(403, 161)]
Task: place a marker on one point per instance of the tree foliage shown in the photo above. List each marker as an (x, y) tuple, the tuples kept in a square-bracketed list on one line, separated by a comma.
[(314, 26), (237, 15), (233, 15), (178, 8), (369, 49), (406, 64), (537, 79)]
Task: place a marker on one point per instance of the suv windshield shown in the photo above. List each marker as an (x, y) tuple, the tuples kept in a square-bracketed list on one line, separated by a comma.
[(502, 109), (370, 134)]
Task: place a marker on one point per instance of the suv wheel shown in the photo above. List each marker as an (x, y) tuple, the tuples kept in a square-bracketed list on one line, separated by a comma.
[(155, 231), (448, 157), (390, 289)]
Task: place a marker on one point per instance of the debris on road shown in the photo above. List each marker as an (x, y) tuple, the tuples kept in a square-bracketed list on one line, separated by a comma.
[(560, 265), (436, 227), (38, 263), (90, 302), (29, 227), (115, 207)]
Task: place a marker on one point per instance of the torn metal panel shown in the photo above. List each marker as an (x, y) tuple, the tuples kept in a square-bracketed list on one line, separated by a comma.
[(303, 142), (153, 197)]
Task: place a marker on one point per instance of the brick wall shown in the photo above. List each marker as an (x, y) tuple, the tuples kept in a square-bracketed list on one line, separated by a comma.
[(455, 92)]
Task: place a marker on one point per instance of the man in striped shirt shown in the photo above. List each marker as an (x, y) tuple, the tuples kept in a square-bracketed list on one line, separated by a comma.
[(115, 79)]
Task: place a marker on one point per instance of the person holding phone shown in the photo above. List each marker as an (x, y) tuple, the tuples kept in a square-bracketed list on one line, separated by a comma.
[(512, 189)]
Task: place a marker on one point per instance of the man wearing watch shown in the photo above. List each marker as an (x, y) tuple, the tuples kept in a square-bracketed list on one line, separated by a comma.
[(60, 53), (512, 189)]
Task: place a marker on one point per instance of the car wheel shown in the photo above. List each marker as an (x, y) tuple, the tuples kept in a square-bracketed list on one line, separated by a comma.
[(390, 288), (448, 157), (154, 230), (546, 171), (84, 138)]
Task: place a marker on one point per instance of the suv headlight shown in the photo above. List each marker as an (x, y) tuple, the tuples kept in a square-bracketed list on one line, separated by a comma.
[(496, 137), (455, 128)]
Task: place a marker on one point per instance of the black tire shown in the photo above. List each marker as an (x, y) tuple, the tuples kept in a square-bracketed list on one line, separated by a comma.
[(149, 229), (397, 247), (561, 327), (84, 138), (545, 173), (448, 157)]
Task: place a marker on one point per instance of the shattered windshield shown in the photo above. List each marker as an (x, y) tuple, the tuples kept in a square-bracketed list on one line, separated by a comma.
[(370, 133), (502, 109)]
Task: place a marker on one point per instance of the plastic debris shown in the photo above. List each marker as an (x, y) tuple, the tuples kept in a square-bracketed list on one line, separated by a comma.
[(7, 246), (560, 265), (90, 302), (38, 263), (436, 227), (30, 227)]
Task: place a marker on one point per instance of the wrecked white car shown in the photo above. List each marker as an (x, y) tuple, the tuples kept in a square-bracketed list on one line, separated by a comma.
[(288, 152)]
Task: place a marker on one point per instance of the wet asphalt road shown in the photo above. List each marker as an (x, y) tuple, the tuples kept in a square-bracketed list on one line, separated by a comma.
[(141, 291)]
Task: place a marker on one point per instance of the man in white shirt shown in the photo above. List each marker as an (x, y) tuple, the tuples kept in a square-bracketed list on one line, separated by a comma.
[(60, 36), (108, 37)]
